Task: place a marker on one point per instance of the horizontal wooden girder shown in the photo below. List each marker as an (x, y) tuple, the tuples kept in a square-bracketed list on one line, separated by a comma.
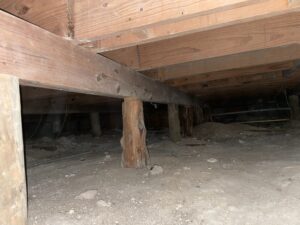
[(40, 58)]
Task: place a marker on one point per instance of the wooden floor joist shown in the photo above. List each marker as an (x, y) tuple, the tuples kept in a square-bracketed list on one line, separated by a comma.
[(241, 61), (39, 58), (13, 208), (268, 33), (135, 153), (104, 26)]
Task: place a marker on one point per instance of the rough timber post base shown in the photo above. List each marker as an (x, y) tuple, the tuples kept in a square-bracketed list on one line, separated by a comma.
[(174, 122), (187, 121), (198, 115), (294, 103), (13, 208), (95, 124), (56, 126), (135, 153)]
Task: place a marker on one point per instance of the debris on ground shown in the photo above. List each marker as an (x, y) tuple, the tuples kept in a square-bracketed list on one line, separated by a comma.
[(102, 203), (87, 195), (219, 131), (212, 160), (156, 170)]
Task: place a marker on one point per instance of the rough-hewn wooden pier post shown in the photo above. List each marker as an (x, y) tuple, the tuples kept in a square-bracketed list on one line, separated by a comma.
[(174, 122), (13, 207), (135, 153)]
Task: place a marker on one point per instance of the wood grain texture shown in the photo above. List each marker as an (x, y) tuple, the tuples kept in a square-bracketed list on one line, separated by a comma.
[(202, 78), (99, 18), (174, 122), (40, 58), (268, 33), (183, 25), (135, 153), (244, 88), (13, 206), (186, 121), (49, 15), (224, 63)]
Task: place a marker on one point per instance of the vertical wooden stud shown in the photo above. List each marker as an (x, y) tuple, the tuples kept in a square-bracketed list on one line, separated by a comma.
[(198, 115), (13, 207), (187, 121), (174, 122), (294, 103), (56, 125), (135, 153), (95, 124)]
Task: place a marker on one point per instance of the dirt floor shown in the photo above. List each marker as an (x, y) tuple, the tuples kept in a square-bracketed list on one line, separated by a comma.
[(235, 180)]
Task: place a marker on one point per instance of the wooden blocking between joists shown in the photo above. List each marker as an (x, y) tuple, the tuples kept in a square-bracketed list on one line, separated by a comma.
[(13, 206), (135, 152), (95, 124), (174, 122)]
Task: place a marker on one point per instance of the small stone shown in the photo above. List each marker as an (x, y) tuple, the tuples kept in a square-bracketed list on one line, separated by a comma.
[(187, 168), (69, 175), (78, 217), (156, 170), (71, 211), (212, 160), (107, 157), (179, 206), (102, 203), (242, 142), (177, 173), (88, 195)]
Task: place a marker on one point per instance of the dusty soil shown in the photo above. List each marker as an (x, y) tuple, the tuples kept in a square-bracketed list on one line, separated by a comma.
[(236, 181), (220, 131)]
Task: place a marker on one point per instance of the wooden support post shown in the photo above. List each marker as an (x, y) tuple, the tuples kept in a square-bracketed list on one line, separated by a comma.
[(135, 153), (13, 208), (56, 126), (174, 122), (198, 115), (95, 124), (294, 103), (187, 121)]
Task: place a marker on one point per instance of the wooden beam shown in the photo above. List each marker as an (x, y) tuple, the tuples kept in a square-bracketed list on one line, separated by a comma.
[(221, 64), (49, 15), (242, 89), (114, 25), (202, 78), (97, 20), (135, 153), (171, 19), (42, 59), (279, 31), (233, 81), (13, 206), (174, 122)]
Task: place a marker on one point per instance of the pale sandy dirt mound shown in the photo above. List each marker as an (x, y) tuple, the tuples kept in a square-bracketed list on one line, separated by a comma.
[(219, 131)]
